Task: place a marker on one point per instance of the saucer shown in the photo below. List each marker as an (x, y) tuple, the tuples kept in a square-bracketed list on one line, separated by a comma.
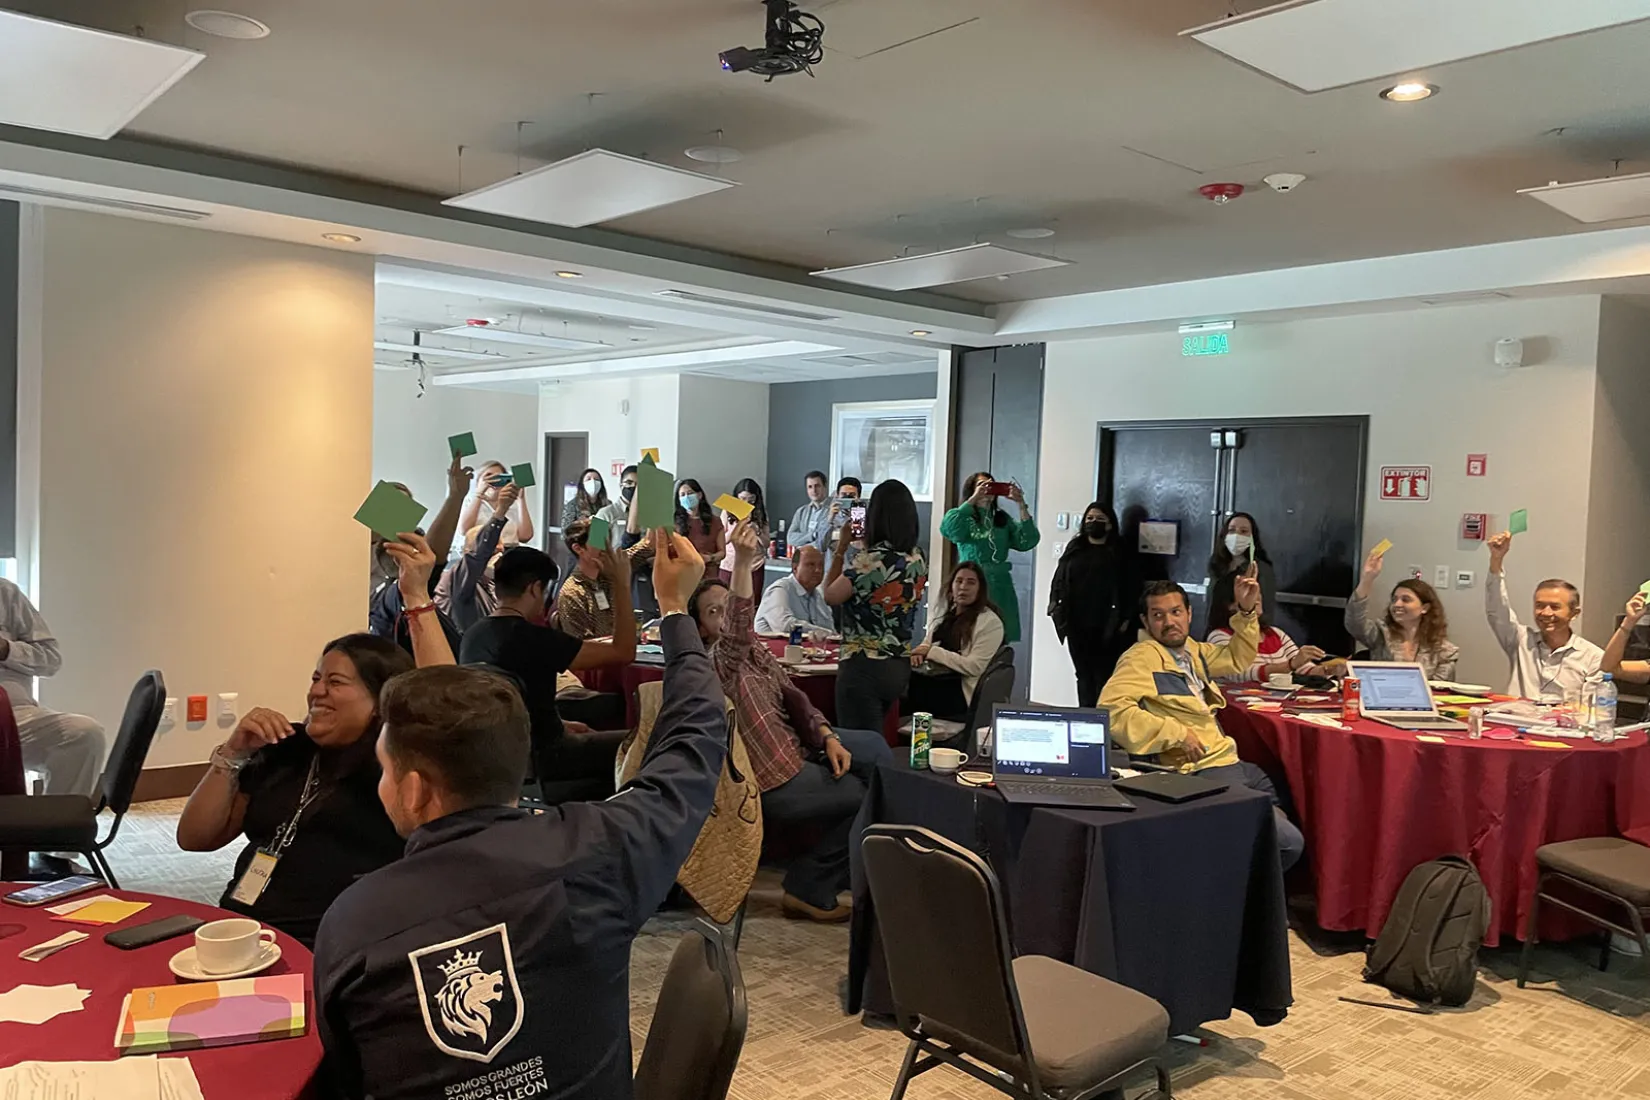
[(183, 964)]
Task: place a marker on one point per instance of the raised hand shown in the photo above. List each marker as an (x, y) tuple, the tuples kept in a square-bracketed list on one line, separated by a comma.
[(677, 570), (747, 545), (1246, 589), (1499, 545), (1373, 563), (259, 727), (417, 561), (459, 477), (507, 497), (1635, 608)]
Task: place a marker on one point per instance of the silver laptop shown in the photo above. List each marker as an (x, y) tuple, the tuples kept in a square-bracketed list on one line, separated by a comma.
[(1397, 693), (1054, 756)]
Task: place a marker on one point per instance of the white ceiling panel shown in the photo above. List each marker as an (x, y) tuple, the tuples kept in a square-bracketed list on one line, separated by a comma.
[(75, 80), (1320, 44), (1602, 200), (594, 186), (956, 265)]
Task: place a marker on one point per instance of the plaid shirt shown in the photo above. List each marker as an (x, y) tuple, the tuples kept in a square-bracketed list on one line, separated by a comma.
[(775, 717)]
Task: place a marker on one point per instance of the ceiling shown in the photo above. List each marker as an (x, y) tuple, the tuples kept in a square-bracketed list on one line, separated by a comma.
[(931, 124)]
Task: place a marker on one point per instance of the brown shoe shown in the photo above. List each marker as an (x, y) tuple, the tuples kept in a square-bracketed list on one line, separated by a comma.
[(797, 909)]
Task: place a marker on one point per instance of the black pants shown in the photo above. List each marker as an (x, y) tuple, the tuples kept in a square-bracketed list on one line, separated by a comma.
[(866, 687), (1094, 659), (578, 766), (938, 693)]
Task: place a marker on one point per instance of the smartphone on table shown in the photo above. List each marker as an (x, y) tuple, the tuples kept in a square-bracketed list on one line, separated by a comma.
[(47, 892), (142, 935)]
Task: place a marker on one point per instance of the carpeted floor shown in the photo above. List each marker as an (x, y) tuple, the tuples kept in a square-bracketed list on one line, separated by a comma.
[(1576, 1033)]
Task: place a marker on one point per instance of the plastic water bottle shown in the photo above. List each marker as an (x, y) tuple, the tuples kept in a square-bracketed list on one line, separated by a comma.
[(1604, 710), (1584, 707)]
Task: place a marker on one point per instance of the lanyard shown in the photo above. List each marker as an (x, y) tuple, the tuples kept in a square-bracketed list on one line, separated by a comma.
[(312, 788)]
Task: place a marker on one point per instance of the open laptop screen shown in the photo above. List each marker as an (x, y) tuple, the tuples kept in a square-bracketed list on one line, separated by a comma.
[(1394, 689), (1049, 743)]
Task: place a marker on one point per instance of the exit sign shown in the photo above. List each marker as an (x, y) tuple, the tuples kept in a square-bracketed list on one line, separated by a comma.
[(1206, 343)]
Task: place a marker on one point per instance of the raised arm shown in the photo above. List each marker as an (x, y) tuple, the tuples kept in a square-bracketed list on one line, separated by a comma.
[(26, 642), (966, 525), (1357, 620), (622, 649), (417, 562), (445, 524), (1633, 672), (1023, 535), (1237, 655), (1497, 607), (524, 526), (838, 589)]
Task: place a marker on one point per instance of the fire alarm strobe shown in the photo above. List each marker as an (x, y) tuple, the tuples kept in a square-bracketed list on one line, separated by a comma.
[(1220, 192)]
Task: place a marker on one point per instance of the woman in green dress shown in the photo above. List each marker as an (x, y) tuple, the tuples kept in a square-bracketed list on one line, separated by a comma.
[(985, 533)]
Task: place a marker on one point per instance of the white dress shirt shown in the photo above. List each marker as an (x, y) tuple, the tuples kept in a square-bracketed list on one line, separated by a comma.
[(1537, 671), (787, 605)]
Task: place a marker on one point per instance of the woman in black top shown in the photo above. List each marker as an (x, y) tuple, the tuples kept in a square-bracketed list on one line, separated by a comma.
[(1239, 545), (1087, 602)]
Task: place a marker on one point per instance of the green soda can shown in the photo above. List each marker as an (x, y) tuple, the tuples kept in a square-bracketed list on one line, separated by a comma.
[(922, 736)]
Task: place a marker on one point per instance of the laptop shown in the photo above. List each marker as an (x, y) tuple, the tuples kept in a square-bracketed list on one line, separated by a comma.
[(1054, 756), (1174, 787), (1397, 693)]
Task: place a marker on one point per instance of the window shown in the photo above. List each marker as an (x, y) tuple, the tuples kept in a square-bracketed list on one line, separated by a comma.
[(878, 440)]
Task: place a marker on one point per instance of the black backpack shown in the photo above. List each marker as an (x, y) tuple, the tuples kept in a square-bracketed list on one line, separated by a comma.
[(1428, 947)]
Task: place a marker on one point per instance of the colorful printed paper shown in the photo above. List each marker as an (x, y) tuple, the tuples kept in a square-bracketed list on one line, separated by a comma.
[(1518, 522), (734, 506), (655, 497), (523, 475), (388, 511), (461, 445), (1382, 547), (1548, 744), (104, 911), (189, 1016)]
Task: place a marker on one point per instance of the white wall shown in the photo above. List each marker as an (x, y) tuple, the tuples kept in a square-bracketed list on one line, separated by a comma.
[(722, 433), (1618, 528), (1426, 379), (409, 432), (622, 415), (205, 427)]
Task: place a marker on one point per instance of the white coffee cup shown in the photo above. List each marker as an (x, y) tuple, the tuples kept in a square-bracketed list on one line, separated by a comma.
[(946, 760), (793, 655), (225, 946), (1281, 680)]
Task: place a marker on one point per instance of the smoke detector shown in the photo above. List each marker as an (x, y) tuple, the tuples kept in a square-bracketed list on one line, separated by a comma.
[(1220, 193), (226, 24), (1284, 182)]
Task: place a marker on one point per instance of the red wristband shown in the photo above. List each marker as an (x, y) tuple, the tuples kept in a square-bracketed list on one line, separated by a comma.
[(419, 610)]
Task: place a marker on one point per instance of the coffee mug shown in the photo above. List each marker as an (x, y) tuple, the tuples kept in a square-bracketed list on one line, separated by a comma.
[(793, 655), (225, 946), (946, 760)]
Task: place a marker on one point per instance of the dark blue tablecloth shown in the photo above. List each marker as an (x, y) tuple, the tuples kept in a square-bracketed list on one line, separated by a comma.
[(1183, 903)]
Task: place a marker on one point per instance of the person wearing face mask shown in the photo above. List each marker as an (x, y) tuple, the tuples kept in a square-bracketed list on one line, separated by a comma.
[(589, 499), (1414, 629), (696, 522), (1087, 601), (1240, 544), (984, 533), (617, 512), (1549, 660)]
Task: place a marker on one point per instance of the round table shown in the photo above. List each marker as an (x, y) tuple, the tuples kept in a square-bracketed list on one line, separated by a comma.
[(1374, 801), (281, 1068)]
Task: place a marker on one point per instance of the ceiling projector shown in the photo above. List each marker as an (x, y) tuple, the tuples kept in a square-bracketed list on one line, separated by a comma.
[(794, 42)]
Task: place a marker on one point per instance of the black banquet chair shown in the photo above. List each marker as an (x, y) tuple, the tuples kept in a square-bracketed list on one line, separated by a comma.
[(68, 822), (698, 1026), (963, 1000)]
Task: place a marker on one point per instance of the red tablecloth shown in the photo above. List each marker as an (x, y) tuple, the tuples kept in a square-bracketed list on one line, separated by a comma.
[(820, 688), (281, 1068), (1373, 802)]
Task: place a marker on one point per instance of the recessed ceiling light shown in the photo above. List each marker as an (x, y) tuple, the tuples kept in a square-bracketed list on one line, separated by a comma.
[(226, 24), (921, 332), (1410, 91), (341, 238), (715, 154), (569, 274), (1033, 233)]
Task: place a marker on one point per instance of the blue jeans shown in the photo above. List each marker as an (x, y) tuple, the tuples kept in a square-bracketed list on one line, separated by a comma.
[(813, 796), (1291, 844)]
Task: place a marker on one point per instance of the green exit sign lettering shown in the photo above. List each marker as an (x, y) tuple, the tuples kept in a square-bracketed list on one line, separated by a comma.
[(1206, 343)]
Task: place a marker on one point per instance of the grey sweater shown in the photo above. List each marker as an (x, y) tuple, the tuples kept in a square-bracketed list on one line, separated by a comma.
[(34, 651)]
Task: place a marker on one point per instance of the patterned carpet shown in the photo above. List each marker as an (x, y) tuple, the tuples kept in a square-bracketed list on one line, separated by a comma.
[(1576, 1033)]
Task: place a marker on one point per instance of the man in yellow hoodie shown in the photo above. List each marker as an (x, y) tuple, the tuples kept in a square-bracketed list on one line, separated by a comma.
[(1163, 696)]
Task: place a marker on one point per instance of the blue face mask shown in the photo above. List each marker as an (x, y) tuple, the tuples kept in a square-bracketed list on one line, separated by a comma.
[(688, 501)]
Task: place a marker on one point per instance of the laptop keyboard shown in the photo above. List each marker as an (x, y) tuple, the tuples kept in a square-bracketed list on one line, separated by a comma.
[(1096, 795)]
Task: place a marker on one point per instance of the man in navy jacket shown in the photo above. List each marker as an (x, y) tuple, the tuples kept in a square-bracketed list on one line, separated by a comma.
[(493, 961)]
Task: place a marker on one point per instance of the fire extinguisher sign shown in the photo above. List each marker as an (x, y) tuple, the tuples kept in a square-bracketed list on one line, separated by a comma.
[(1406, 482)]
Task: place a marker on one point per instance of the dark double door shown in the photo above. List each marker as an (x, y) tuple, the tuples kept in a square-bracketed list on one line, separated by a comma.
[(1301, 479)]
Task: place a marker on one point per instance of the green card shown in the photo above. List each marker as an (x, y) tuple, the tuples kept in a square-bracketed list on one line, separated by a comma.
[(1518, 522), (1644, 589), (600, 533), (523, 475), (462, 445), (388, 511), (655, 497)]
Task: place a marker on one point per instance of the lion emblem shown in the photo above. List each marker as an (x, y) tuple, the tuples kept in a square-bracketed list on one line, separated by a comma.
[(468, 993), (467, 998)]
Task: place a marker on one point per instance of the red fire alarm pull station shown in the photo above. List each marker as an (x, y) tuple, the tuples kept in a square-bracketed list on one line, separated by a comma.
[(196, 711), (1472, 526)]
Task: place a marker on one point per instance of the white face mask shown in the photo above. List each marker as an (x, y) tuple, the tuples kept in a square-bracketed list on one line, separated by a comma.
[(1238, 544), (592, 486)]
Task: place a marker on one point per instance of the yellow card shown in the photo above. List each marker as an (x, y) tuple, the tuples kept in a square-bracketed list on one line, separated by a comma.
[(651, 454), (738, 509), (104, 912), (1548, 744), (1433, 738), (1382, 547)]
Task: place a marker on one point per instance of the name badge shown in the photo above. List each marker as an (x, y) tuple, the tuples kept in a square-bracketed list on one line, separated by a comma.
[(601, 601), (251, 886)]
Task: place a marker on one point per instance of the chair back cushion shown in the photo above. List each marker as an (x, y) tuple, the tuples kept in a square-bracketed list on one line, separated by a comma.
[(945, 941), (131, 748), (719, 871), (698, 1026)]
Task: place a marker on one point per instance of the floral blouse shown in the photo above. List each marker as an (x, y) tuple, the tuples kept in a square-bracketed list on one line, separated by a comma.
[(877, 619)]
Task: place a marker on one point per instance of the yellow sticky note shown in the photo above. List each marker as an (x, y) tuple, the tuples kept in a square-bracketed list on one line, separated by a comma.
[(1548, 744), (651, 454), (1430, 737), (738, 509), (104, 912), (1382, 547)]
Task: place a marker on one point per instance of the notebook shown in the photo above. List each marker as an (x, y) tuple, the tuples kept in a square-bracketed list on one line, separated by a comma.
[(161, 1018)]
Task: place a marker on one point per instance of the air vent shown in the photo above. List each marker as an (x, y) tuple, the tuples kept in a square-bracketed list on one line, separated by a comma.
[(1462, 299), (869, 359), (749, 307), (125, 206)]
